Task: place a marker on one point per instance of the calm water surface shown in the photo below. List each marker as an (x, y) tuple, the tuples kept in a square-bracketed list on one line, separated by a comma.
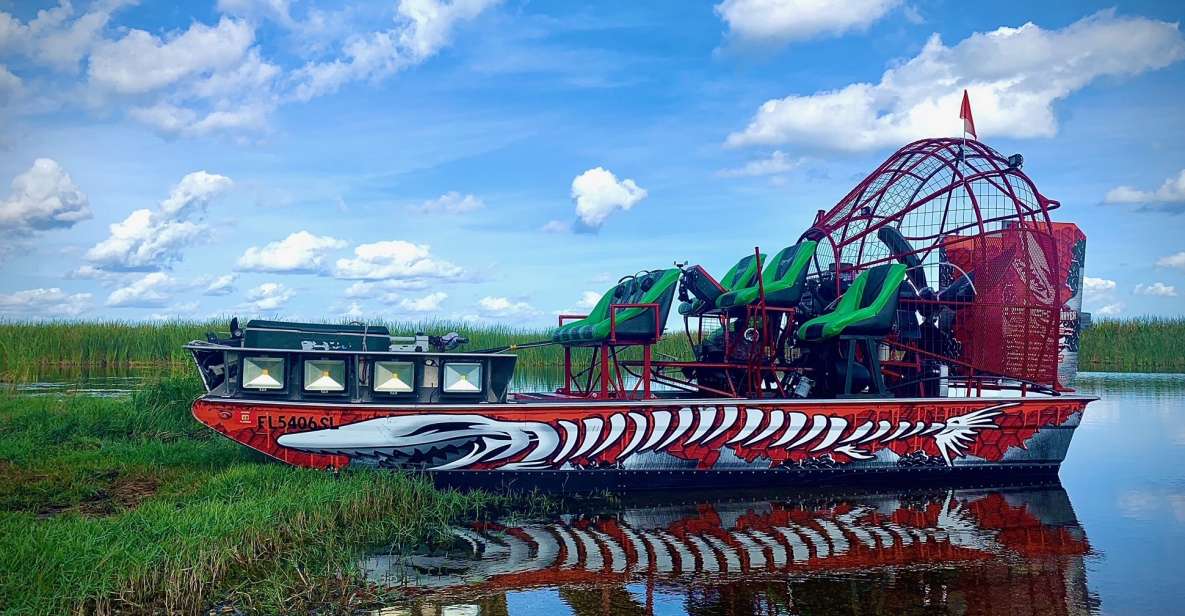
[(1109, 539)]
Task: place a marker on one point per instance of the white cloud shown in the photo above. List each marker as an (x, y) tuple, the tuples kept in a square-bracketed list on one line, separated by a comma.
[(299, 253), (152, 240), (221, 285), (777, 163), (598, 193), (1097, 285), (1110, 310), (782, 21), (1173, 260), (589, 299), (452, 202), (504, 307), (354, 311), (1171, 191), (429, 303), (1014, 75), (141, 62), (422, 28), (394, 259), (11, 86), (268, 296), (175, 311), (556, 226), (44, 197), (151, 290), (1158, 289), (37, 303), (55, 37)]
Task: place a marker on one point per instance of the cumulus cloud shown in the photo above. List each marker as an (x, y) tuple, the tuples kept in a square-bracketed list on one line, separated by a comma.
[(1096, 288), (56, 37), (452, 202), (384, 289), (220, 285), (299, 253), (422, 28), (1110, 310), (150, 240), (1171, 191), (141, 62), (776, 163), (11, 86), (598, 193), (1158, 289), (151, 290), (1173, 260), (428, 303), (502, 307), (44, 197), (1014, 75), (783, 21), (394, 259), (39, 303), (268, 296)]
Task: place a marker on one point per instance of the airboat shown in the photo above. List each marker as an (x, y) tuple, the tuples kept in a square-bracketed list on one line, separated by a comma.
[(925, 326)]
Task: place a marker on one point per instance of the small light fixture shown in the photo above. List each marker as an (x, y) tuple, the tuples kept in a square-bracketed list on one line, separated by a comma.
[(263, 373), (394, 377), (324, 375), (462, 378)]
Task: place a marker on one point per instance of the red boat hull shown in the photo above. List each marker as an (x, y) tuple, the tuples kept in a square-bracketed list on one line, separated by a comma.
[(686, 441)]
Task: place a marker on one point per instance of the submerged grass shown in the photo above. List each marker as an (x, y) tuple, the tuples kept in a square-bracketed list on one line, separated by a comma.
[(130, 506), (28, 347)]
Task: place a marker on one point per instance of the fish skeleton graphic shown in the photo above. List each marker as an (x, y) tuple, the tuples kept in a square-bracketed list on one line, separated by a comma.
[(444, 441)]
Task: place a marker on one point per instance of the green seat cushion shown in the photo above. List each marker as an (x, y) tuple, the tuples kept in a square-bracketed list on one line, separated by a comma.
[(867, 308), (783, 279), (742, 274), (656, 287)]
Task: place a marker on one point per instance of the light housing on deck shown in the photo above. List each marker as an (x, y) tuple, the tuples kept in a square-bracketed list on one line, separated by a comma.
[(263, 373), (462, 377), (324, 375), (394, 377)]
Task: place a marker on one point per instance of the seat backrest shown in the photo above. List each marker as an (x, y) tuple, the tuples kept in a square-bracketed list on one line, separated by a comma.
[(742, 275), (881, 284), (789, 266), (654, 287)]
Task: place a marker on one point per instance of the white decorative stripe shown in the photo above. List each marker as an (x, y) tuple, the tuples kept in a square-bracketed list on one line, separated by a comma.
[(685, 420), (901, 428), (592, 433), (616, 430), (730, 417), (838, 424), (776, 418), (707, 416), (882, 428), (753, 418), (571, 432), (797, 421), (640, 425), (660, 422), (816, 429)]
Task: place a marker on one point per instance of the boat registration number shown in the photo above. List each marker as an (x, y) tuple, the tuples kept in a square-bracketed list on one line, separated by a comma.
[(297, 422)]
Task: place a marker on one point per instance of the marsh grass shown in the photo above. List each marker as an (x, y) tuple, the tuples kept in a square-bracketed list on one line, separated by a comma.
[(1143, 344), (130, 506), (29, 346)]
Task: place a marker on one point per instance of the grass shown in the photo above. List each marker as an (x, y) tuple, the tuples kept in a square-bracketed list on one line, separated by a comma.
[(1146, 344), (31, 347), (26, 346), (130, 506)]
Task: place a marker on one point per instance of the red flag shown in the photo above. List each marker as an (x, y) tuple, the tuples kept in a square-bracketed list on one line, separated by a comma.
[(965, 116)]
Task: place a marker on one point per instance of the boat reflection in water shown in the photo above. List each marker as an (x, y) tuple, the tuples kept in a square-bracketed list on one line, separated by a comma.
[(962, 551)]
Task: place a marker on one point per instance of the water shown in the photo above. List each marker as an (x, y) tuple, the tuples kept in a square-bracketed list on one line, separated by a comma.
[(1109, 539)]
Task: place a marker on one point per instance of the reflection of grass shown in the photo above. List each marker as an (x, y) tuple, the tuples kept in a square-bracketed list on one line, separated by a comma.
[(1145, 344), (131, 506), (26, 346)]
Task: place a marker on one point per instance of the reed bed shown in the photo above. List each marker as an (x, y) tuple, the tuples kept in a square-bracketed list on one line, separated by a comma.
[(1144, 344), (129, 506)]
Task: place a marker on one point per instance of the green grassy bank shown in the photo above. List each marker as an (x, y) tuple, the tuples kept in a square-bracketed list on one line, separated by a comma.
[(129, 506), (1130, 345)]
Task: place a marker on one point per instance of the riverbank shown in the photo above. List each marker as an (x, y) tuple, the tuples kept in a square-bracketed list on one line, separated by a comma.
[(1128, 345), (130, 506)]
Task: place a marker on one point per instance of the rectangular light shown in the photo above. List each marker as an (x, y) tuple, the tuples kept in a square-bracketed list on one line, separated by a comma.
[(394, 377), (324, 375), (462, 378), (263, 373)]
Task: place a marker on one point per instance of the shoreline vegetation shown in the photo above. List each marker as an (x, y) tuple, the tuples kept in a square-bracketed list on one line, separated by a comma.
[(129, 506), (1146, 344)]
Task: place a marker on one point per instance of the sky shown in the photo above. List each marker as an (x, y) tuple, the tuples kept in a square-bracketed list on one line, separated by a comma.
[(503, 162)]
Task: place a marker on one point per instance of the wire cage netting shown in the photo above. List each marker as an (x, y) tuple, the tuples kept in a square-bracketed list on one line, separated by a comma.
[(952, 210)]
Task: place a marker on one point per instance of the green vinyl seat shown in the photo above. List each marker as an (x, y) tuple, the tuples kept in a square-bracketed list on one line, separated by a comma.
[(868, 308), (629, 324), (783, 280), (741, 275)]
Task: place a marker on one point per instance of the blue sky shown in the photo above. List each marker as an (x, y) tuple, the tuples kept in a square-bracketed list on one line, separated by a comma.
[(503, 161)]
